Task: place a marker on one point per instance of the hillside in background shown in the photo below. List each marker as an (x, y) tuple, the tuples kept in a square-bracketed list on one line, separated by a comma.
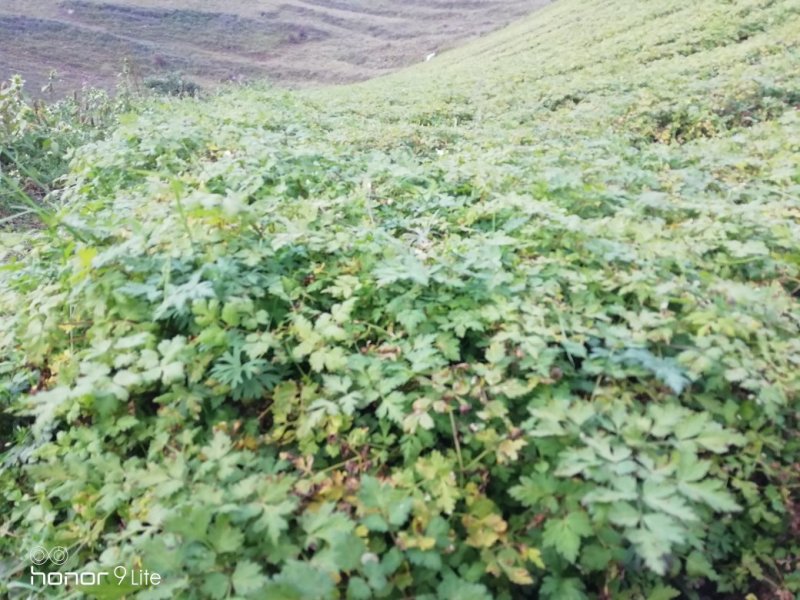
[(520, 322), (294, 42)]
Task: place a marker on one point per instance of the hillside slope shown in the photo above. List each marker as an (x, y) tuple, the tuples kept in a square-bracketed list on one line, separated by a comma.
[(293, 42), (522, 321)]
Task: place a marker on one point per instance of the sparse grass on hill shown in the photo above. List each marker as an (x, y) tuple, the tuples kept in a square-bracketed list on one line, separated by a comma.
[(519, 322), (294, 42)]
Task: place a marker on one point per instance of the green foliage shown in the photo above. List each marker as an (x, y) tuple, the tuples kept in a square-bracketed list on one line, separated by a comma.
[(173, 84), (348, 343), (37, 140)]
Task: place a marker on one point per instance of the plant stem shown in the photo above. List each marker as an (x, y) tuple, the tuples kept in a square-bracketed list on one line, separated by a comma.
[(458, 447)]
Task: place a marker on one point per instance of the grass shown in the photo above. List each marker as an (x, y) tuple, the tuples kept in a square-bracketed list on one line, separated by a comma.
[(522, 321)]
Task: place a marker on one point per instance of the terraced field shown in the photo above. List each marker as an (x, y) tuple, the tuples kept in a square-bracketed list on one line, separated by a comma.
[(294, 42)]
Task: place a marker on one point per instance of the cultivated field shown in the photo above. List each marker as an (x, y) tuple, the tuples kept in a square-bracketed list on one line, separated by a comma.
[(294, 42)]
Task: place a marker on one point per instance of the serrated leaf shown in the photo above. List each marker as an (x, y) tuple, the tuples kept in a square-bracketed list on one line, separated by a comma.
[(698, 565), (654, 540), (247, 578), (225, 538), (558, 588), (309, 582), (565, 534), (716, 439), (496, 352), (216, 586), (665, 498), (454, 588), (623, 514), (710, 492), (273, 519), (594, 557), (663, 592), (127, 378)]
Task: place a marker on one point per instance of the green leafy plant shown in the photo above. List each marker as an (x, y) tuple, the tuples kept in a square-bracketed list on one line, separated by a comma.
[(350, 343), (37, 140)]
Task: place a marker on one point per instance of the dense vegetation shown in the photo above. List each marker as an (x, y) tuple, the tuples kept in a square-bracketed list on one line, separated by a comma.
[(37, 140), (521, 321)]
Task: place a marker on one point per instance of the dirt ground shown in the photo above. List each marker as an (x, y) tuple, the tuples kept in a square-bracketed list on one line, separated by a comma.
[(292, 42)]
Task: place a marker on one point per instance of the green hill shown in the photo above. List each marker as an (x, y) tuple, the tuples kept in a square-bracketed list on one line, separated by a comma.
[(522, 321)]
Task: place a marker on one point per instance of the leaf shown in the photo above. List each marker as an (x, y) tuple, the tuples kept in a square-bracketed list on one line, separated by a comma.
[(691, 468), (665, 527), (484, 531), (595, 558), (341, 312), (575, 349), (273, 519), (307, 581), (216, 586), (391, 407), (178, 298), (496, 352), (666, 418), (325, 524), (716, 439), (623, 514), (624, 488), (710, 492), (698, 565), (565, 534), (533, 489), (110, 589), (357, 589), (127, 378), (508, 450), (247, 578), (665, 498), (519, 575), (401, 268), (663, 592), (326, 326), (225, 538), (410, 319), (667, 370), (172, 373), (535, 556), (392, 503), (220, 446), (557, 588), (654, 540), (454, 588)]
